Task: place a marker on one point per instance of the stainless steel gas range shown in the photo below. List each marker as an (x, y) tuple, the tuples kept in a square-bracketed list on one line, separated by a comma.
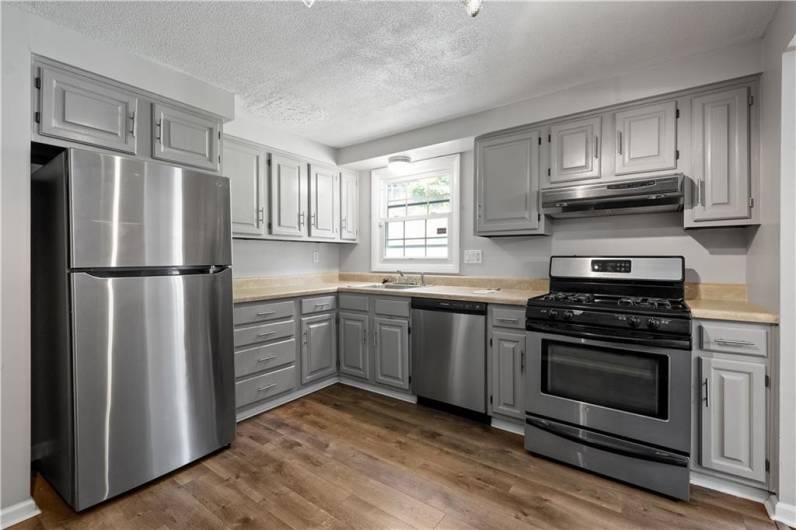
[(608, 387)]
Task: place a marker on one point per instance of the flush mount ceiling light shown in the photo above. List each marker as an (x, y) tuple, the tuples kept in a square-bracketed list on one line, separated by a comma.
[(473, 7), (309, 3), (398, 162)]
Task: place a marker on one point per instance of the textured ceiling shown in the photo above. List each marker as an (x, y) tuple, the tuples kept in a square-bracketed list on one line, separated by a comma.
[(346, 72)]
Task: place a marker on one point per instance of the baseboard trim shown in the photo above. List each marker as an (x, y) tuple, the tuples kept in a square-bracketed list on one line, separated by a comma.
[(508, 426), (395, 394), (287, 398), (730, 488), (16, 513), (780, 512)]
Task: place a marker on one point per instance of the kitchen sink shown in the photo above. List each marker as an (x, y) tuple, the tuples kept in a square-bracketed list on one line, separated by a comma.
[(393, 286)]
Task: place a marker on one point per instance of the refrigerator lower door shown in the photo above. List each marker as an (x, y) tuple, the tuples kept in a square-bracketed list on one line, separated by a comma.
[(153, 376)]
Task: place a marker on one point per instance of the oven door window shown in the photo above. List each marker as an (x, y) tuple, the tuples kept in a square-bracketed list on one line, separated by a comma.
[(624, 380)]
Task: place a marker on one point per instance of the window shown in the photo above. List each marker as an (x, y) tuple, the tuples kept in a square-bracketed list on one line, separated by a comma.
[(416, 217)]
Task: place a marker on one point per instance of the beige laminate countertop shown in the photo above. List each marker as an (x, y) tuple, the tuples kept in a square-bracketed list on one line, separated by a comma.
[(503, 296), (735, 310)]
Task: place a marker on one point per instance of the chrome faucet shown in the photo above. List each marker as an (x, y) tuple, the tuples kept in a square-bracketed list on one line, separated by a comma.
[(422, 279), (401, 275)]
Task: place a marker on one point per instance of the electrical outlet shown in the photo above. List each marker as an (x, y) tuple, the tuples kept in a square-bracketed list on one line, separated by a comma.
[(472, 256), (316, 256)]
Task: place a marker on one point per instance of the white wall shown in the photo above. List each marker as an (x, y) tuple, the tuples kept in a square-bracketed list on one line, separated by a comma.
[(252, 258), (22, 35), (712, 255)]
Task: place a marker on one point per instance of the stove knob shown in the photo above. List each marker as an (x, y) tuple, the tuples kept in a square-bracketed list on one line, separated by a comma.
[(634, 322), (568, 315), (653, 323), (553, 314)]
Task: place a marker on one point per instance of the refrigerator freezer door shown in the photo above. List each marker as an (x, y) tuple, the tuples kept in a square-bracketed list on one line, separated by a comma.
[(132, 213), (153, 376)]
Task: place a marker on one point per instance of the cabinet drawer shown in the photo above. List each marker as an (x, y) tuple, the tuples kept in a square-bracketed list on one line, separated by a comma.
[(261, 358), (733, 337), (318, 304), (260, 312), (264, 386), (387, 306), (355, 302), (508, 317), (264, 332)]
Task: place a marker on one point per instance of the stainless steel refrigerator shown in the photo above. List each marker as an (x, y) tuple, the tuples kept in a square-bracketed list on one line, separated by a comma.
[(132, 365)]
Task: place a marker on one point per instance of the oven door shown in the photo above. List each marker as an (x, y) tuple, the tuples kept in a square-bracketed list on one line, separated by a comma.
[(640, 393)]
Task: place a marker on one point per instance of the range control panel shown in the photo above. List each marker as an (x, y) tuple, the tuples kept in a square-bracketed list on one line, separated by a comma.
[(611, 265)]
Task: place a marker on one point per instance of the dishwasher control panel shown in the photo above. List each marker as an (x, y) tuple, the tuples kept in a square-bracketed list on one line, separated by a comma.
[(456, 306)]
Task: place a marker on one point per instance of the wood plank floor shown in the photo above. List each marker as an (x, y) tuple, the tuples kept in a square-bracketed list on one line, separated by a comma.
[(345, 458)]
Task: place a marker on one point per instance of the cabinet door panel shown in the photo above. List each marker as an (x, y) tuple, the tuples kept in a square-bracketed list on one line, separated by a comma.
[(507, 179), (508, 350), (84, 110), (721, 170), (244, 165), (733, 412), (318, 344), (349, 206), (353, 347), (391, 338), (646, 138), (185, 137), (324, 202), (288, 196), (575, 150)]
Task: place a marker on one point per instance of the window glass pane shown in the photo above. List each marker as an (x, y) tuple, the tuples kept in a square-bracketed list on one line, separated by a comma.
[(391, 252), (415, 248), (414, 209), (437, 227), (395, 230), (416, 228), (440, 206), (437, 252)]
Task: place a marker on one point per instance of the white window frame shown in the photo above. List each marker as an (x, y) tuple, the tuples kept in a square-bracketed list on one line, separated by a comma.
[(378, 263)]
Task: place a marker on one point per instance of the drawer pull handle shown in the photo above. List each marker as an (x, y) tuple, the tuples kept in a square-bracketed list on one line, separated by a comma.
[(266, 359), (727, 342), (265, 313), (266, 387), (503, 319), (322, 306), (266, 334)]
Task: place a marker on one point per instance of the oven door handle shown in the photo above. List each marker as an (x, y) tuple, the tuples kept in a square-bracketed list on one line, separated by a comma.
[(608, 443), (682, 344)]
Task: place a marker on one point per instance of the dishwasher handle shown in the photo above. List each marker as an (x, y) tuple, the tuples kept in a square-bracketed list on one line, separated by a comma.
[(449, 306)]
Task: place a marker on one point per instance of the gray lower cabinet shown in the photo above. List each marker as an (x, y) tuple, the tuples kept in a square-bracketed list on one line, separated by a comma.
[(318, 347), (82, 109), (507, 184), (245, 165), (185, 137), (734, 417), (354, 341), (391, 352), (732, 399), (508, 370)]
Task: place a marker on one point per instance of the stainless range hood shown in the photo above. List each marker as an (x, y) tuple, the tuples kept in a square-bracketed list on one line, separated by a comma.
[(658, 194)]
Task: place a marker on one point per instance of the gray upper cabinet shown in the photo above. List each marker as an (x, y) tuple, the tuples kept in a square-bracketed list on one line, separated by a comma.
[(508, 366), (575, 150), (353, 350), (318, 345), (85, 110), (349, 206), (646, 138), (507, 184), (391, 348), (324, 192), (185, 137), (288, 188), (720, 156), (245, 165), (733, 415)]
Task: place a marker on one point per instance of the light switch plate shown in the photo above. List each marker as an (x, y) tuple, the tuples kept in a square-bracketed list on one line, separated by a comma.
[(472, 256), (316, 256)]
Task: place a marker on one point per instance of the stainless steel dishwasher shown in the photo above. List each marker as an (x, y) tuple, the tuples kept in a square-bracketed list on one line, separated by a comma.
[(449, 352)]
